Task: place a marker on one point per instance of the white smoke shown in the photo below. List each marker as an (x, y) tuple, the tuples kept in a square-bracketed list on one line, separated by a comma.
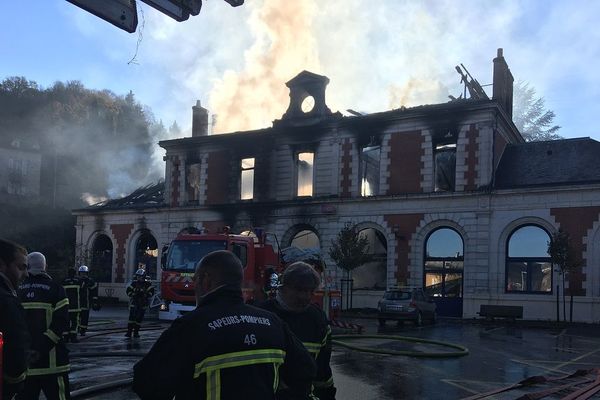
[(378, 55), (91, 199)]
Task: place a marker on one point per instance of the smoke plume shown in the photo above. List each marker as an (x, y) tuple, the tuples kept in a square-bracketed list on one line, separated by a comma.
[(284, 45)]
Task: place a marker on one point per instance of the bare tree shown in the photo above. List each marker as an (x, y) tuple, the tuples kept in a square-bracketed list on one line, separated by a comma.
[(563, 255), (530, 115)]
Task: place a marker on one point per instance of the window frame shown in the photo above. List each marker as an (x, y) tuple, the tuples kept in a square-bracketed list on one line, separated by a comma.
[(297, 173), (363, 169), (242, 169), (529, 261), (445, 269)]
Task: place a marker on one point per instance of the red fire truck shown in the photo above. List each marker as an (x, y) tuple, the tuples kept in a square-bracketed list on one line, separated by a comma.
[(256, 252)]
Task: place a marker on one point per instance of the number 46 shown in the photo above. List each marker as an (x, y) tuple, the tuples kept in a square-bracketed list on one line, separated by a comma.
[(250, 339)]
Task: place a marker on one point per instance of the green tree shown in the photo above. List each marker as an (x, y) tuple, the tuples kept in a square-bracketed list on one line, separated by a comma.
[(530, 115), (564, 257), (349, 250)]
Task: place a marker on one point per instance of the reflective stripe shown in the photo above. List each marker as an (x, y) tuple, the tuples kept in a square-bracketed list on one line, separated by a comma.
[(212, 366), (312, 347), (48, 371), (61, 304), (61, 388), (276, 380), (15, 379), (327, 334), (36, 305), (40, 306), (50, 333)]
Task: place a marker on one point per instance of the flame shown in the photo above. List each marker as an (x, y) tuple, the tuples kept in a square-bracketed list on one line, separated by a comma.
[(284, 46)]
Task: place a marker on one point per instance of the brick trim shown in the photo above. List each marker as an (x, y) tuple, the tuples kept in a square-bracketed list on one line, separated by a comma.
[(121, 233), (346, 172), (577, 221), (406, 227)]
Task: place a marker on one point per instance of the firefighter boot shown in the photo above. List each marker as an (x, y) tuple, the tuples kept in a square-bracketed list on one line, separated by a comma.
[(129, 329), (136, 332), (73, 337)]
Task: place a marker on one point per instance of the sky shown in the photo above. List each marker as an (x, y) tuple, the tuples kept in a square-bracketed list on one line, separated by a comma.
[(378, 55)]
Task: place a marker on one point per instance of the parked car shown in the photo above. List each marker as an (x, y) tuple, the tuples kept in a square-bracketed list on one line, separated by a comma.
[(406, 304)]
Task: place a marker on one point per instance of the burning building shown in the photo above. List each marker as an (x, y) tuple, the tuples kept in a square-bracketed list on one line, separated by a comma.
[(449, 196)]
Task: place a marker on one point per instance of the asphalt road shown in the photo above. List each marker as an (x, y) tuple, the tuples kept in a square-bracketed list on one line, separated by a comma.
[(499, 355)]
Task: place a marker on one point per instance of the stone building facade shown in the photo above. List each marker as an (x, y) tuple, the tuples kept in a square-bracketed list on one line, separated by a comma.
[(450, 196)]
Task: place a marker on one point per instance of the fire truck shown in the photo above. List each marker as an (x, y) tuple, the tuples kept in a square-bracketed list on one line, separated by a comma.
[(259, 253)]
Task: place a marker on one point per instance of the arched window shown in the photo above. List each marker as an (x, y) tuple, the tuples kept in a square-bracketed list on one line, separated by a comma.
[(102, 257), (146, 254), (373, 274), (444, 260), (528, 264)]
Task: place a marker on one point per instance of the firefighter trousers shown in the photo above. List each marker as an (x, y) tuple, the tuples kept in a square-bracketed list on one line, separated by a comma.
[(54, 386), (83, 320), (136, 316), (73, 323)]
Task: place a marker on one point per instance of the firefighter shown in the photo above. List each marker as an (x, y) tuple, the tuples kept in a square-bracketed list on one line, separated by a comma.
[(224, 349), (139, 291), (13, 269), (88, 297), (47, 312), (308, 322), (72, 286)]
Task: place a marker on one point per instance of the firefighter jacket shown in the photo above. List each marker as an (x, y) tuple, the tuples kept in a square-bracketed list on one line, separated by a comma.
[(139, 293), (46, 309), (225, 350), (72, 288), (15, 337), (88, 293), (312, 328)]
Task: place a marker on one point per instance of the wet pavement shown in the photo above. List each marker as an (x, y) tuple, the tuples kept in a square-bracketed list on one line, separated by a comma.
[(499, 355)]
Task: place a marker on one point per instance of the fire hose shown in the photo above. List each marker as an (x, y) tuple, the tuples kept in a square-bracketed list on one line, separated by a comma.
[(339, 340)]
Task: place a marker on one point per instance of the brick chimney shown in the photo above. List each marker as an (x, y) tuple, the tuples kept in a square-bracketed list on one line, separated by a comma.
[(199, 120), (503, 84)]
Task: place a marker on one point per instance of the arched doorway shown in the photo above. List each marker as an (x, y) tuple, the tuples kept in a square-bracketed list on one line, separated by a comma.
[(443, 271), (102, 258), (528, 264), (306, 239), (146, 254), (372, 276)]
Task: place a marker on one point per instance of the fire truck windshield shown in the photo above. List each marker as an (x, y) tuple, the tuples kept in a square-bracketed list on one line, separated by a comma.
[(185, 254)]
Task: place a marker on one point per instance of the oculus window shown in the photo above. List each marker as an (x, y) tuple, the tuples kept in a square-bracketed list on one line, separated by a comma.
[(528, 264)]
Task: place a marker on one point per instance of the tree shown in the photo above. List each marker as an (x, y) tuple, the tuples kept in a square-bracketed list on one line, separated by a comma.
[(349, 251), (563, 255), (530, 115)]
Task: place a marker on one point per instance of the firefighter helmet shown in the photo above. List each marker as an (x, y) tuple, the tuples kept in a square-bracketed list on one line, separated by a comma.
[(84, 268), (140, 272)]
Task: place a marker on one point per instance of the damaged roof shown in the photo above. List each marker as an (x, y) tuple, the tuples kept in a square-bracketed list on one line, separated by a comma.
[(151, 195), (555, 162)]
